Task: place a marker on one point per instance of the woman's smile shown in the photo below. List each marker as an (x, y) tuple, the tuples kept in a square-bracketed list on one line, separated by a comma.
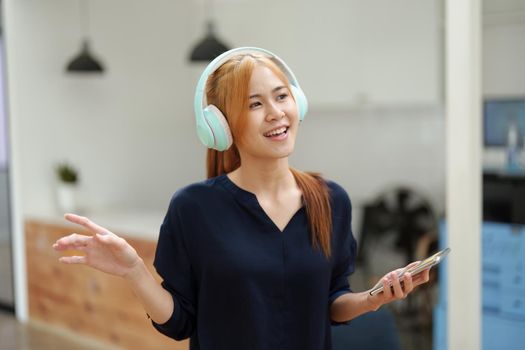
[(278, 134)]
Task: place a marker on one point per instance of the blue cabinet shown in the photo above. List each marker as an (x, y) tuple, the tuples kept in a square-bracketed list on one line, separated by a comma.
[(503, 289)]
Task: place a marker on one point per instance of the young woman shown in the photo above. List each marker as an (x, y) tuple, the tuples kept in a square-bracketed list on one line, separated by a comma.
[(257, 256)]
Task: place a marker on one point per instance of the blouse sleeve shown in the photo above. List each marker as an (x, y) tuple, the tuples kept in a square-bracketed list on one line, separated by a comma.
[(173, 265), (344, 251)]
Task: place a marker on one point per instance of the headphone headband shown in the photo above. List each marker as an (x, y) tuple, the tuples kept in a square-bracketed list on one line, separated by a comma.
[(200, 95), (212, 128)]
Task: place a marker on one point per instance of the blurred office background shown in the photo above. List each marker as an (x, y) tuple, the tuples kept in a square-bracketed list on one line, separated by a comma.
[(374, 74)]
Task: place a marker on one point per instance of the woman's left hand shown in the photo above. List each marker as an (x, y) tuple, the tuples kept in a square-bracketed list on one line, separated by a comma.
[(396, 288)]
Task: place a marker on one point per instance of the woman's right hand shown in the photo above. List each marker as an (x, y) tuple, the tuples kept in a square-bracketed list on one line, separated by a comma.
[(104, 250)]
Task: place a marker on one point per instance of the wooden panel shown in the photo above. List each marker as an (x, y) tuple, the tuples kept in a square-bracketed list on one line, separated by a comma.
[(85, 300)]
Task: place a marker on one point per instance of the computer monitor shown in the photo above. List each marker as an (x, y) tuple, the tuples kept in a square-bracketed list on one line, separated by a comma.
[(498, 114)]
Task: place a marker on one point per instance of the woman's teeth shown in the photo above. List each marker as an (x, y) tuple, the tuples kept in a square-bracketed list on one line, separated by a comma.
[(276, 132)]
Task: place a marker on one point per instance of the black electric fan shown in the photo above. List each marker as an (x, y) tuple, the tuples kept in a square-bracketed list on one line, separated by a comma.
[(401, 210)]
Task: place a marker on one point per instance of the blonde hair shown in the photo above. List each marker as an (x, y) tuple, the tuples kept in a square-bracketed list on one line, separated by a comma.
[(227, 89)]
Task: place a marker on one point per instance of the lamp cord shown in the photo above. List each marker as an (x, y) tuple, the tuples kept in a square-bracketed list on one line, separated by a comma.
[(208, 10), (84, 18)]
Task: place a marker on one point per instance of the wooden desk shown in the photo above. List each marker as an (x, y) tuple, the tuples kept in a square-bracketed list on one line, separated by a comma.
[(86, 301)]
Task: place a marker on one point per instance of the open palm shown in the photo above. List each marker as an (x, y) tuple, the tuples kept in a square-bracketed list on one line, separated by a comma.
[(103, 251)]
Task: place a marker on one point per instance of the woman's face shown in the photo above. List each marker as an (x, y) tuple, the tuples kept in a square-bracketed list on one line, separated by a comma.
[(272, 117)]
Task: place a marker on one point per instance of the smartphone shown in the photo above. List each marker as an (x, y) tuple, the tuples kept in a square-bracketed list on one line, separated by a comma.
[(414, 270)]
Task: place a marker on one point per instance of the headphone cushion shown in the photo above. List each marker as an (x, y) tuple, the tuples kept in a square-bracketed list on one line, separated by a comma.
[(300, 100), (218, 125)]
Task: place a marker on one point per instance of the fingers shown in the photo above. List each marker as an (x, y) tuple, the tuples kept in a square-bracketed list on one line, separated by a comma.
[(73, 241), (396, 286), (399, 283), (387, 292), (422, 277), (402, 271), (412, 264), (85, 222), (408, 284), (425, 276), (113, 241), (76, 259)]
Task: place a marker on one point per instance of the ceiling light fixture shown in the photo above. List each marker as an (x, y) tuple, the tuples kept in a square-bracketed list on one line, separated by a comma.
[(84, 62), (209, 47)]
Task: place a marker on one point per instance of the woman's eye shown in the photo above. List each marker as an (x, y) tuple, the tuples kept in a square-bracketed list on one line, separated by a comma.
[(255, 104), (282, 96)]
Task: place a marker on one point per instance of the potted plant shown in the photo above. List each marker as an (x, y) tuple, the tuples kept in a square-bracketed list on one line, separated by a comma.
[(67, 187)]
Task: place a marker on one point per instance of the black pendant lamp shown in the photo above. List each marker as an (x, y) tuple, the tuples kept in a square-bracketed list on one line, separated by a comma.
[(209, 47), (84, 61)]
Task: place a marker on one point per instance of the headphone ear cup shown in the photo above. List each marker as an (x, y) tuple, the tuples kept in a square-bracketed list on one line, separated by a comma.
[(300, 100), (219, 128), (205, 135)]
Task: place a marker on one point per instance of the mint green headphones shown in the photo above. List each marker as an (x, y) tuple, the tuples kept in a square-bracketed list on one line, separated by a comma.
[(212, 127)]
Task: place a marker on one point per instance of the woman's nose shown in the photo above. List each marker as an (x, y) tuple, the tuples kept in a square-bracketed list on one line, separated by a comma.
[(274, 112)]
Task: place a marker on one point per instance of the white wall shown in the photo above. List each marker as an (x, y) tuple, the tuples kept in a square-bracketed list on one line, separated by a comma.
[(371, 150), (347, 52), (503, 47), (128, 131), (503, 56), (503, 53), (370, 71)]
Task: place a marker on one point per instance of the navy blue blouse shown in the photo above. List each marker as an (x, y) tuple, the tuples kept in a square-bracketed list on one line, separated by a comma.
[(238, 282)]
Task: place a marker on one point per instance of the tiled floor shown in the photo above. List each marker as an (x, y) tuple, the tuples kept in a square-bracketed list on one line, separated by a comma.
[(15, 336)]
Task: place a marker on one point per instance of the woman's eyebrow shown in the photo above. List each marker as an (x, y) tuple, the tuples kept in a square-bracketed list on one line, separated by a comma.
[(273, 91)]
